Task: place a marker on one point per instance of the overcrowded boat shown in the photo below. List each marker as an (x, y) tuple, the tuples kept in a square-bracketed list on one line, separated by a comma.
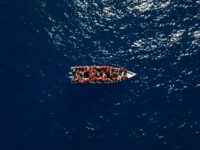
[(99, 74)]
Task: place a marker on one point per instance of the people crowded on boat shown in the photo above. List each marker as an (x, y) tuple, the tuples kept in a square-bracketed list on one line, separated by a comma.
[(98, 74)]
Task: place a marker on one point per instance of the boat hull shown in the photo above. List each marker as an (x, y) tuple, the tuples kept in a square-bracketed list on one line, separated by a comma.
[(119, 78)]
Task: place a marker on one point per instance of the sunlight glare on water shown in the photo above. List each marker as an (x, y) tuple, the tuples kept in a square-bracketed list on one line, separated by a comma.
[(155, 39)]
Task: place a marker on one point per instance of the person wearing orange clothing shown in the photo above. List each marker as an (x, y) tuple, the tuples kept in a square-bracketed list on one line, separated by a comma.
[(123, 77), (106, 79), (111, 81), (97, 79), (102, 79), (113, 69), (94, 70), (76, 79), (90, 76), (90, 81), (114, 74), (121, 69), (90, 69), (98, 75), (81, 81), (93, 80)]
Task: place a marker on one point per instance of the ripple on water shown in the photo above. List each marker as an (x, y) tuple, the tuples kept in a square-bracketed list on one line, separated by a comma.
[(160, 41)]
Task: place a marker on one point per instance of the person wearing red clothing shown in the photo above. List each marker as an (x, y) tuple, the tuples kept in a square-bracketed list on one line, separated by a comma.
[(76, 80), (81, 81), (98, 74), (111, 81), (121, 69)]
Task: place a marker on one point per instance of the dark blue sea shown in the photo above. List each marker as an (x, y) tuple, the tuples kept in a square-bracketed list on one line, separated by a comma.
[(158, 109)]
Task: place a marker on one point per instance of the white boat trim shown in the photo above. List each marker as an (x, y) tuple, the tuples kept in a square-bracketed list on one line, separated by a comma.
[(130, 74)]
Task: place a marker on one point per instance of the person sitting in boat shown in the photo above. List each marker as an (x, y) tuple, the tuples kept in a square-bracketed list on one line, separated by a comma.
[(111, 81), (125, 72), (101, 73), (114, 74), (121, 69), (81, 81), (76, 79), (85, 68), (86, 73)]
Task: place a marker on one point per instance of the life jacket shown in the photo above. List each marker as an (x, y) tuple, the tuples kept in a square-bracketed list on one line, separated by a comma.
[(123, 77), (76, 80), (114, 74), (81, 81), (101, 67), (121, 69)]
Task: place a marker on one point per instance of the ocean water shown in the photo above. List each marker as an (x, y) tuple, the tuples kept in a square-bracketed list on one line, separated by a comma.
[(157, 109)]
